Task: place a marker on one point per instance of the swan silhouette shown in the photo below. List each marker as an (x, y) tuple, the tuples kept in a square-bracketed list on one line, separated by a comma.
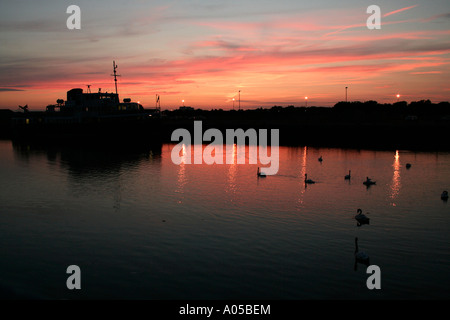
[(320, 159), (408, 165), (360, 256), (361, 218), (261, 174), (347, 177), (369, 182), (309, 181), (444, 195)]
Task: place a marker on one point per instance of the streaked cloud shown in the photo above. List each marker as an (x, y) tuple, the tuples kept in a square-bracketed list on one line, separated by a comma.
[(399, 10), (205, 52), (10, 90)]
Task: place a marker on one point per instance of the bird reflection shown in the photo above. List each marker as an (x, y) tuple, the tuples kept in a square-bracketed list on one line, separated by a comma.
[(360, 256)]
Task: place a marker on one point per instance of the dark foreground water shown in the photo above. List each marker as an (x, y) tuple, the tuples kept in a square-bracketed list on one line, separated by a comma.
[(140, 227)]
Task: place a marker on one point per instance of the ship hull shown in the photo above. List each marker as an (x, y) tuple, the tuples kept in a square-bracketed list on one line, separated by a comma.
[(128, 129)]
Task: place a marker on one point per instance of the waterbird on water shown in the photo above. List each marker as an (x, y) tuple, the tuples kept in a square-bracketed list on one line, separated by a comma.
[(308, 180), (369, 182), (320, 159), (347, 177), (361, 218), (408, 165), (444, 195), (261, 174)]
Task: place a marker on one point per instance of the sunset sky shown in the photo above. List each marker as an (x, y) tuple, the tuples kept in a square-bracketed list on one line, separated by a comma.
[(205, 51)]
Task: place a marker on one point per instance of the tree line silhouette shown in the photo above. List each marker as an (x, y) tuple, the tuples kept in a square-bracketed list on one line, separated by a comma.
[(415, 125), (368, 111)]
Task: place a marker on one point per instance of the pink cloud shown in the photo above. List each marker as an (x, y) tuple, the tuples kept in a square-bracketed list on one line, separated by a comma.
[(438, 16), (399, 10), (284, 54), (427, 72), (413, 35), (222, 45), (364, 25)]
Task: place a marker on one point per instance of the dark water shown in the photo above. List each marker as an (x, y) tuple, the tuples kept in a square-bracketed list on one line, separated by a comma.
[(140, 227)]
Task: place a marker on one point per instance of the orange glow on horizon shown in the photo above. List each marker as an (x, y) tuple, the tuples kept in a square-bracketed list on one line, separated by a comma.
[(207, 61)]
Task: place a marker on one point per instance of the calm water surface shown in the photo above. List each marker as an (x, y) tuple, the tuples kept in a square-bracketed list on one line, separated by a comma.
[(141, 227)]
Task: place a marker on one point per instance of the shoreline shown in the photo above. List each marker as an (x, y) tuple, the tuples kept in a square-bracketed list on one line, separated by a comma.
[(419, 126), (414, 137), (383, 137)]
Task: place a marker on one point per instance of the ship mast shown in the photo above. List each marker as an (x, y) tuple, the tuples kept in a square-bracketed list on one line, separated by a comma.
[(115, 75)]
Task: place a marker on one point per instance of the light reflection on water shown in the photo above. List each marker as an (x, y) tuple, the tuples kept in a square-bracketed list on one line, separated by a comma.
[(395, 186), (141, 227)]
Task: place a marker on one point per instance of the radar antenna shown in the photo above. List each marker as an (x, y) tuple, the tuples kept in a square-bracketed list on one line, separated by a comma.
[(115, 75), (25, 109)]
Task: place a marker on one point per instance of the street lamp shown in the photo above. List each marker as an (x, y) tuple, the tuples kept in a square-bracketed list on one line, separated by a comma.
[(346, 94), (239, 99), (233, 103), (398, 97), (183, 102), (306, 101)]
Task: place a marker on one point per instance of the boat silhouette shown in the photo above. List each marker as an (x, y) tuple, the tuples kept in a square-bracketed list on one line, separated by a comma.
[(88, 116)]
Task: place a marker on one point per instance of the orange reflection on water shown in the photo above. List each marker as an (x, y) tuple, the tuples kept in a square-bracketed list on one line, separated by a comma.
[(302, 175), (232, 172), (182, 170), (395, 184)]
